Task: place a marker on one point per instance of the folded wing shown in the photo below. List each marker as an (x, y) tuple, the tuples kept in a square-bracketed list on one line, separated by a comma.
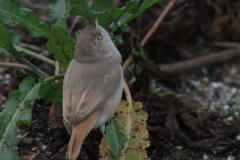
[(86, 87)]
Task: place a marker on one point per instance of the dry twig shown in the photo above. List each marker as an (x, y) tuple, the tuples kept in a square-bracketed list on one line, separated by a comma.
[(226, 44), (127, 93), (150, 32), (15, 65), (200, 61)]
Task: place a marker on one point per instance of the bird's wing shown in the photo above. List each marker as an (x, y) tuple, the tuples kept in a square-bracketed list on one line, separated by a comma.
[(87, 86)]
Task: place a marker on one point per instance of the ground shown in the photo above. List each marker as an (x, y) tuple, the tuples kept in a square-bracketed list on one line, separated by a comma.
[(193, 112)]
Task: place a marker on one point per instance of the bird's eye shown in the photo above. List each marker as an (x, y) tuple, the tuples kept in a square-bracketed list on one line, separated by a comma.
[(98, 39)]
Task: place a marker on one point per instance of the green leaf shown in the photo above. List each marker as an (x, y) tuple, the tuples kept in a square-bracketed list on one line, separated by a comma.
[(107, 14), (104, 20), (75, 2), (59, 13), (162, 94), (8, 46), (117, 39), (85, 11), (130, 7), (16, 112), (4, 40), (51, 92), (4, 52), (14, 37), (115, 138), (10, 12), (76, 36), (139, 51), (138, 138), (101, 5), (132, 120), (62, 46), (145, 5)]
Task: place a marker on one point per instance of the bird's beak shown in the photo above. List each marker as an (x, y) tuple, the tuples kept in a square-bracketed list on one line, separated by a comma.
[(96, 22)]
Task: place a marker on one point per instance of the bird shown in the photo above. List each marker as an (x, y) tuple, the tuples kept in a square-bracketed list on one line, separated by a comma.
[(92, 86)]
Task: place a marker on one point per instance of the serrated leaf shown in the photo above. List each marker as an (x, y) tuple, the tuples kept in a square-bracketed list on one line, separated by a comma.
[(115, 138), (62, 46), (16, 112), (134, 125), (15, 38), (106, 14), (145, 5), (75, 2), (89, 17), (10, 12), (8, 46), (59, 13), (85, 11), (130, 7), (51, 92), (104, 20), (119, 14), (101, 5)]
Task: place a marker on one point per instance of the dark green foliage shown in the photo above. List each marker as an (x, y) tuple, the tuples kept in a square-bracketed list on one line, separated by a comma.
[(10, 12), (51, 92), (115, 138), (16, 112), (8, 46), (62, 46)]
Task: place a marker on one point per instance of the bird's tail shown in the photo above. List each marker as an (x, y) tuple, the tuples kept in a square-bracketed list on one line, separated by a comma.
[(79, 132)]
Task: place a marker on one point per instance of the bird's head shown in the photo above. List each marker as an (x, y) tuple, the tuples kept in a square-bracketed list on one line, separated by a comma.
[(94, 44)]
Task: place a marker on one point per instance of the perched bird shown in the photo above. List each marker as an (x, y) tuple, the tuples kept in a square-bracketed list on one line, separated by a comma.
[(92, 87)]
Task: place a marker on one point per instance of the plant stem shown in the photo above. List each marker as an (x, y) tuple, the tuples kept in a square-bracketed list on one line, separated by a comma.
[(35, 55), (127, 62), (57, 70), (158, 22), (151, 31), (127, 93), (53, 78), (129, 110), (15, 65), (14, 52)]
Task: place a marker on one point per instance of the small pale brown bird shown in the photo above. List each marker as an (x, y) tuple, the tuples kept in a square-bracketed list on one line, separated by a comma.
[(92, 87)]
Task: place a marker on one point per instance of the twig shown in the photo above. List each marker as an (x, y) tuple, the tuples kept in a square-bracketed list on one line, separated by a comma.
[(158, 22), (55, 107), (200, 61), (127, 93), (226, 44), (15, 65), (129, 111), (127, 62), (35, 55), (75, 21), (36, 6), (30, 46), (57, 69), (18, 66), (151, 31)]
